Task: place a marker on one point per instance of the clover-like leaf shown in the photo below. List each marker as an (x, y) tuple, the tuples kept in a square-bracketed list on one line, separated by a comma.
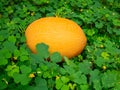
[(12, 39), (42, 50), (25, 79), (56, 57), (17, 77), (84, 87), (105, 55), (109, 79), (41, 83), (1, 38), (3, 61), (116, 22), (78, 78), (21, 78), (99, 24), (16, 53), (63, 71), (59, 83), (11, 69), (65, 87), (3, 85), (99, 61), (25, 69), (85, 67), (23, 58), (47, 74), (65, 79), (90, 32), (97, 85), (94, 75), (10, 46), (4, 52)]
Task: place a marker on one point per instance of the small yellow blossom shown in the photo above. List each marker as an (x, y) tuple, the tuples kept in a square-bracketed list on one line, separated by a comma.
[(104, 67), (81, 10), (32, 75), (32, 14), (101, 46), (15, 58), (57, 77)]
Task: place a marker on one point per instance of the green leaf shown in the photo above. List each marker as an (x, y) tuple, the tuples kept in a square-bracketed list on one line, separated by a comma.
[(117, 86), (23, 51), (47, 74), (94, 75), (36, 59), (4, 52), (23, 58), (84, 87), (65, 79), (11, 69), (1, 38), (117, 31), (44, 67), (3, 61), (100, 61), (3, 85), (25, 69), (21, 78), (83, 79), (41, 83), (23, 39), (109, 79), (42, 50), (62, 71), (69, 62), (85, 67), (65, 87), (25, 79), (17, 77), (97, 85), (40, 2), (51, 83), (90, 32), (10, 46), (4, 34), (16, 53), (105, 55), (78, 78), (69, 69), (12, 39), (56, 57), (116, 22), (98, 25), (59, 83), (110, 48)]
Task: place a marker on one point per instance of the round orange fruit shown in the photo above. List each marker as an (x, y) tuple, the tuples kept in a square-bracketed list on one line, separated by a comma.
[(60, 34)]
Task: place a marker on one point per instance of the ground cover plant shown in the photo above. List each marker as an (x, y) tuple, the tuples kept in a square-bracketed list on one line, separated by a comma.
[(96, 68)]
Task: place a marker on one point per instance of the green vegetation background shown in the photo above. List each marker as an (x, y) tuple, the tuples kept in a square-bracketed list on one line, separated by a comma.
[(97, 68)]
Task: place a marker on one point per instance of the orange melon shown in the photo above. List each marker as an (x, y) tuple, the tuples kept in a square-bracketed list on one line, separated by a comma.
[(60, 34)]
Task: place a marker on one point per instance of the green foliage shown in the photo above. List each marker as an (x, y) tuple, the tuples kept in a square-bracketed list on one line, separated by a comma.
[(96, 68)]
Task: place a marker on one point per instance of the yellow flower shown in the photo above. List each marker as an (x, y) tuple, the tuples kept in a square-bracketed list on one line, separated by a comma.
[(101, 46), (32, 14), (57, 77), (32, 75), (104, 67)]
